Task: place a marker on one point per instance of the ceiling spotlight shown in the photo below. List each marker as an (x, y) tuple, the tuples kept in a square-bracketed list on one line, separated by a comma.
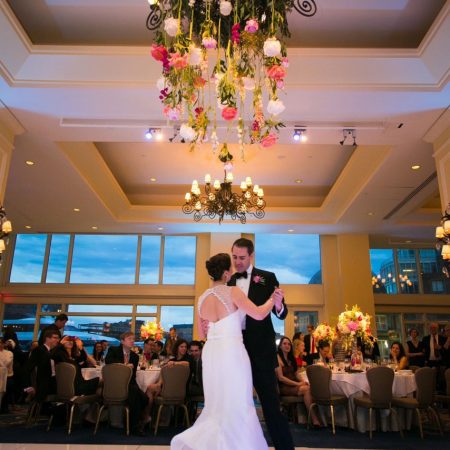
[(149, 134), (153, 132), (348, 133), (300, 135)]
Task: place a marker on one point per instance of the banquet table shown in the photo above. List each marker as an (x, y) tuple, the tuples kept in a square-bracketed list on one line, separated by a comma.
[(356, 385)]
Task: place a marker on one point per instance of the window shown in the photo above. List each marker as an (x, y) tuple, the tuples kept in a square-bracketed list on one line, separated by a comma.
[(431, 271), (294, 258), (28, 258), (303, 318), (383, 271), (57, 263), (407, 267), (150, 257), (104, 259), (278, 326), (180, 317), (21, 319), (389, 330), (179, 260)]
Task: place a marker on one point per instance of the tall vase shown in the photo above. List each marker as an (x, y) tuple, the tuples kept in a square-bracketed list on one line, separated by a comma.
[(356, 358)]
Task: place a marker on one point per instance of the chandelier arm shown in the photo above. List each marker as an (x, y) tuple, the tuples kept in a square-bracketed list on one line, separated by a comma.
[(154, 18), (307, 8)]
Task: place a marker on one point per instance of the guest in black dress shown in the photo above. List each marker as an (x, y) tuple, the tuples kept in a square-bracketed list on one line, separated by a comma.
[(415, 349)]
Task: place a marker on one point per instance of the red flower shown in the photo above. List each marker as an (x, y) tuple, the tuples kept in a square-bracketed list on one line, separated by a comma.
[(269, 140), (235, 35), (159, 52), (229, 112), (276, 72)]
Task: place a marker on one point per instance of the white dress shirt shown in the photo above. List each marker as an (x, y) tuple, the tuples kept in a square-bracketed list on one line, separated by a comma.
[(6, 360)]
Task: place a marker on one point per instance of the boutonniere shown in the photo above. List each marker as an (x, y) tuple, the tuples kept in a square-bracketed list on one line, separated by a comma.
[(257, 279)]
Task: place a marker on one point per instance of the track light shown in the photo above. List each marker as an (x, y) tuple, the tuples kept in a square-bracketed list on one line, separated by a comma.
[(348, 133), (300, 135), (153, 132)]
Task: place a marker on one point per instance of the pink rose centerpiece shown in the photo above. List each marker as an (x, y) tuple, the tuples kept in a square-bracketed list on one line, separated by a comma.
[(353, 324)]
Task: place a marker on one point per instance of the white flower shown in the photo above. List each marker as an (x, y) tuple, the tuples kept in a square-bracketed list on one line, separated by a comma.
[(228, 166), (272, 47), (187, 132), (275, 107), (162, 83), (171, 26), (249, 83), (225, 8), (195, 55)]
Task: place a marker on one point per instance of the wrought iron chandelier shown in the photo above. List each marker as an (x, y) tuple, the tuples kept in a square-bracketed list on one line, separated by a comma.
[(5, 229), (443, 241), (220, 200)]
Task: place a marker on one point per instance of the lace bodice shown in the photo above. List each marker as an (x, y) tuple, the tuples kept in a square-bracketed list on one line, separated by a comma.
[(222, 293)]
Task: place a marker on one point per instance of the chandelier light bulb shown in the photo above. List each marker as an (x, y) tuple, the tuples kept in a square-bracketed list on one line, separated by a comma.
[(187, 197), (447, 227), (255, 188), (152, 2), (243, 185), (2, 246), (216, 185), (7, 227), (439, 232), (207, 178)]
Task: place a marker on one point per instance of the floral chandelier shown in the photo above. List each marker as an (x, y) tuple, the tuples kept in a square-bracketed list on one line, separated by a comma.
[(216, 53), (220, 200), (443, 241)]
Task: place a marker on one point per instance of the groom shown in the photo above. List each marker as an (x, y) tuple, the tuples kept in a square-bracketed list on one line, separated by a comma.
[(259, 339)]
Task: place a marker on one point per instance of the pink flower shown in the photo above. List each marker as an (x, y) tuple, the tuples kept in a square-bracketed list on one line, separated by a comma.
[(235, 34), (285, 62), (251, 26), (159, 52), (229, 112), (199, 82), (178, 61), (269, 140), (209, 42), (353, 326), (280, 84), (172, 113), (257, 279), (276, 72)]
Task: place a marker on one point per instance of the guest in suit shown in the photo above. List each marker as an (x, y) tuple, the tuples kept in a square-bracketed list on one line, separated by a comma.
[(170, 341), (433, 344), (41, 360), (325, 355), (137, 400), (259, 338), (311, 346), (60, 322), (370, 351), (196, 376), (446, 348)]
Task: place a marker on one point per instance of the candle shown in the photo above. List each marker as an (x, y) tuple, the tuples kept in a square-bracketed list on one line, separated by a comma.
[(187, 197)]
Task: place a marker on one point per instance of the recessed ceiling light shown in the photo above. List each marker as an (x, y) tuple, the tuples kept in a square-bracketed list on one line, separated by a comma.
[(94, 228), (370, 214), (408, 242), (160, 228), (298, 181), (152, 179), (415, 167), (290, 231), (28, 227), (29, 163), (76, 209)]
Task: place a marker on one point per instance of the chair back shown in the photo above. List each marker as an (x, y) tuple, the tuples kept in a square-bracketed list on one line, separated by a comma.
[(65, 381), (319, 378), (116, 378), (174, 380), (426, 382), (380, 381)]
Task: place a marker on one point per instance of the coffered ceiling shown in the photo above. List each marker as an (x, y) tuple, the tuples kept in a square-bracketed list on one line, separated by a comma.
[(76, 75)]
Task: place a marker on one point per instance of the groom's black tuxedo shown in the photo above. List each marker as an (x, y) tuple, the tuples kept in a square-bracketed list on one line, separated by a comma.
[(259, 340)]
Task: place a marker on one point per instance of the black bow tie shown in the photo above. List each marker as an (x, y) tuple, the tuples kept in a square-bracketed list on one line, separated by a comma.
[(241, 275)]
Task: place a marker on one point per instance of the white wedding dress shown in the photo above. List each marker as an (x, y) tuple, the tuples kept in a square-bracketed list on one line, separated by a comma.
[(228, 420)]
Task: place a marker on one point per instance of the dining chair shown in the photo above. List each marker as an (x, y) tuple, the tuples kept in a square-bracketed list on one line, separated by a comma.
[(116, 378), (193, 402), (65, 393), (380, 381), (290, 403), (319, 378), (426, 381), (445, 398), (173, 392)]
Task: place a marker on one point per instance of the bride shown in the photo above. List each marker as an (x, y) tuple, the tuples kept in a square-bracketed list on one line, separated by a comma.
[(228, 420)]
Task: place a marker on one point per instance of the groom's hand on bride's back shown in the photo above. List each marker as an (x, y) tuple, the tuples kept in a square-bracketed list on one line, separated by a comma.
[(278, 296)]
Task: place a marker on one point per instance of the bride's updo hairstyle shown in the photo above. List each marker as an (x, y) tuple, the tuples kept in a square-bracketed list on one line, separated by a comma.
[(217, 264)]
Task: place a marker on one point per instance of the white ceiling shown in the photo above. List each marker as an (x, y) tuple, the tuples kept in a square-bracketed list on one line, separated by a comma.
[(77, 76)]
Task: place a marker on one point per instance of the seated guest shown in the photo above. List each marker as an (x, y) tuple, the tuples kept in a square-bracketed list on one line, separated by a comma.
[(370, 351), (158, 349), (137, 400), (67, 351), (6, 360), (180, 354), (398, 356), (325, 355), (105, 347), (149, 353), (299, 353), (97, 353), (286, 373), (415, 350), (41, 360), (83, 359), (195, 387)]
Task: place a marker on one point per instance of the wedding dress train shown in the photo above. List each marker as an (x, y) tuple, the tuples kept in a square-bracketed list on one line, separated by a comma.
[(228, 420)]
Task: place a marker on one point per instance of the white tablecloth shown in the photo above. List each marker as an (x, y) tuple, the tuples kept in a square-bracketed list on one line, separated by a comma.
[(91, 372), (146, 377)]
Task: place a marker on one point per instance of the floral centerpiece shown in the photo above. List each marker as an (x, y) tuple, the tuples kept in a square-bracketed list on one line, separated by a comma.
[(353, 324), (214, 53), (324, 332), (152, 330)]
